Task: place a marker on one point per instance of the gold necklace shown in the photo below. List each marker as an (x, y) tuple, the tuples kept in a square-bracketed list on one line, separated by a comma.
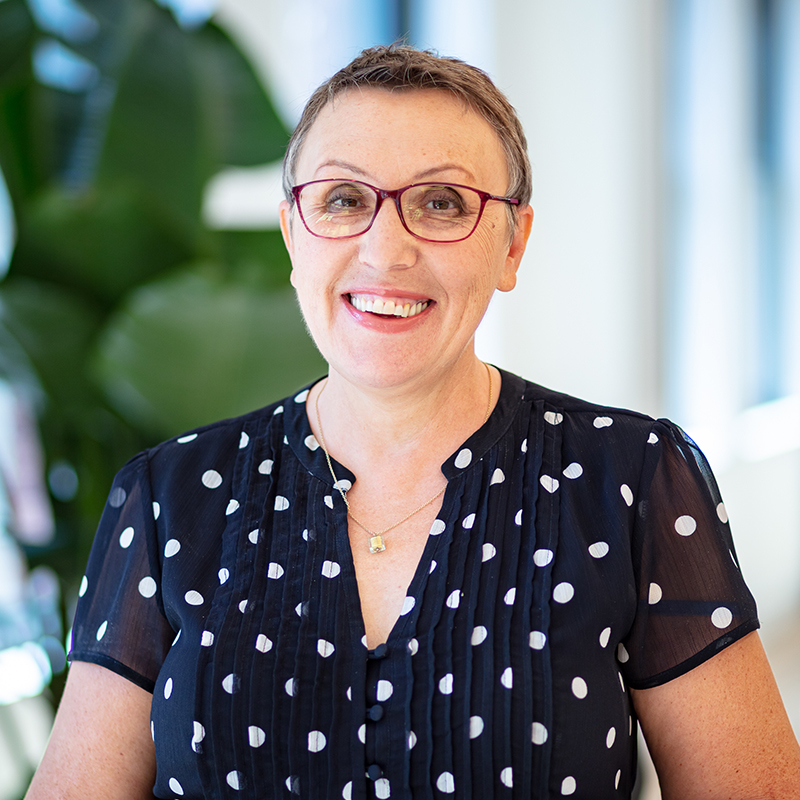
[(376, 542)]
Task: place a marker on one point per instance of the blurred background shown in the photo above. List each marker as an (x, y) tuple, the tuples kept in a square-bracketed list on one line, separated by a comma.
[(145, 287)]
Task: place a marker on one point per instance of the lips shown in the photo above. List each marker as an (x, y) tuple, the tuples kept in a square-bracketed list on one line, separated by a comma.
[(388, 307)]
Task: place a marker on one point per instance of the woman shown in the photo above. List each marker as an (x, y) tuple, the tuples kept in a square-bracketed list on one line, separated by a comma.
[(514, 577)]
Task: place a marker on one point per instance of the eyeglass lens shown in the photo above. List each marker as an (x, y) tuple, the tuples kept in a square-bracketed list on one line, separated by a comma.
[(437, 211)]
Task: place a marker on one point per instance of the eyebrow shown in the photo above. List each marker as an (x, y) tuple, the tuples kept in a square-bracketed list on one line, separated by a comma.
[(423, 175)]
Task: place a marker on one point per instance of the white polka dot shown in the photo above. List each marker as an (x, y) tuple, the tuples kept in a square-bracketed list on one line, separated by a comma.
[(721, 617), (101, 631), (243, 606), (384, 690), (412, 740), (278, 410), (84, 586), (654, 594), (223, 575), (263, 643), (198, 734), (446, 684), (408, 605), (685, 525), (438, 527), (293, 784), (446, 783), (598, 549), (553, 417), (568, 786), (253, 536), (305, 534), (488, 551), (602, 422), (542, 557), (652, 438), (211, 479), (510, 596), (463, 458), (171, 548), (518, 518), (193, 598), (316, 741), (125, 538), (468, 521), (281, 503), (311, 442), (619, 771), (343, 485), (302, 397), (302, 608), (325, 648), (289, 687), (454, 599), (230, 683), (479, 634), (605, 635), (186, 439), (564, 592), (175, 786), (579, 688), (234, 779), (206, 639), (233, 505), (382, 789), (328, 500), (722, 512), (413, 646), (524, 446), (432, 567), (244, 440), (168, 689), (538, 733), (156, 510), (611, 737), (622, 654), (347, 791), (256, 736), (175, 640), (362, 734), (574, 470), (627, 494), (349, 693), (274, 571), (330, 569), (621, 681), (537, 640), (507, 678), (147, 587), (265, 467), (117, 497), (364, 641), (498, 476), (475, 727), (551, 484)]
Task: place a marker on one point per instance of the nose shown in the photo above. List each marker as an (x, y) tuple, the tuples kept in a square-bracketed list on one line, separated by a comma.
[(387, 244)]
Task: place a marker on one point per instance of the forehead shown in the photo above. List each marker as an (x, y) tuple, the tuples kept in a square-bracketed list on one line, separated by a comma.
[(395, 137)]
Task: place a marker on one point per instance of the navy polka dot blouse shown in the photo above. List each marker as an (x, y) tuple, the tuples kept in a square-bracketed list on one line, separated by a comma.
[(579, 551)]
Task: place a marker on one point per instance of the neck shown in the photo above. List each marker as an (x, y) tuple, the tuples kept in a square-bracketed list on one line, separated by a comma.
[(412, 424)]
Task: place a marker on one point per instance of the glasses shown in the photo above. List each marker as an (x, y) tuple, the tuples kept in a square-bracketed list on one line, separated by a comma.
[(338, 208)]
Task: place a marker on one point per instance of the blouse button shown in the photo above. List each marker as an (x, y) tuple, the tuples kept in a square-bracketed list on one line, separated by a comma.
[(378, 652), (375, 713), (374, 772)]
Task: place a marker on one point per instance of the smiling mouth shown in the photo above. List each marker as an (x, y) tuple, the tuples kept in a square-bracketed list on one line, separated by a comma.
[(388, 308)]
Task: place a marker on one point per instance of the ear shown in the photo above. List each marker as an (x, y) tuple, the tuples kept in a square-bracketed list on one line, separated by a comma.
[(508, 278), (285, 216)]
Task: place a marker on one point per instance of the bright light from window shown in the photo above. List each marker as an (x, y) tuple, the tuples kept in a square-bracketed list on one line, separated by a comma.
[(7, 228), (64, 18), (24, 672), (61, 68), (190, 13)]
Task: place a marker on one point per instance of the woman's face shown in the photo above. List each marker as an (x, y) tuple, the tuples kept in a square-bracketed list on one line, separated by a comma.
[(392, 140)]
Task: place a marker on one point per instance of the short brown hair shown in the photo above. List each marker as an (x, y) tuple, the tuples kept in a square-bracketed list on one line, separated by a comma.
[(397, 67)]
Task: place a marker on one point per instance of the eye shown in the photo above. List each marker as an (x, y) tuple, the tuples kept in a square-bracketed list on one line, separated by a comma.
[(344, 198), (440, 200)]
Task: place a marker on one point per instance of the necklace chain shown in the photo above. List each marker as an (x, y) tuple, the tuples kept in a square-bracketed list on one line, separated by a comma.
[(376, 543)]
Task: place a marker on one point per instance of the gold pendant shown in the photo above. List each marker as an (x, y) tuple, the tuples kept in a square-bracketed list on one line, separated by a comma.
[(376, 544)]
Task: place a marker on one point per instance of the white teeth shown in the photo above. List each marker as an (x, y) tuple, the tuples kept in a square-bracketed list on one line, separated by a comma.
[(388, 307)]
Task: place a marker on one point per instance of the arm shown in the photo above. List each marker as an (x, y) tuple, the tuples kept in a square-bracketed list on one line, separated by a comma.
[(721, 731), (100, 745)]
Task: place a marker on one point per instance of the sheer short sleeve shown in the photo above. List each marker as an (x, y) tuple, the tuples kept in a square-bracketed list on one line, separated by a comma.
[(692, 600), (120, 622)]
